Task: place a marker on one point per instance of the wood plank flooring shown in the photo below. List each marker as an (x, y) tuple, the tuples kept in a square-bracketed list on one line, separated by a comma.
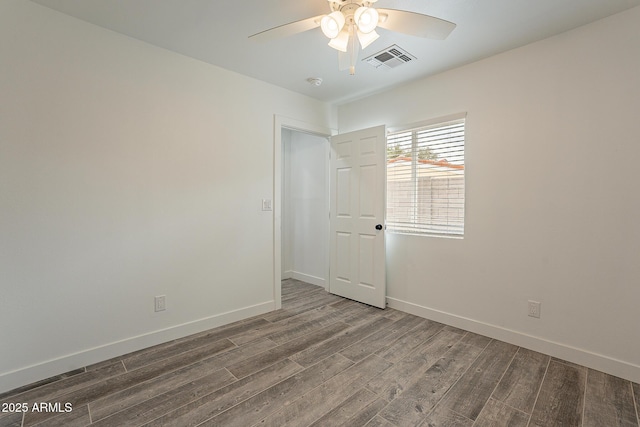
[(326, 361)]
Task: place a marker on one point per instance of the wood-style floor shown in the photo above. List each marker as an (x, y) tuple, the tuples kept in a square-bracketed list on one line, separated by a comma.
[(327, 361)]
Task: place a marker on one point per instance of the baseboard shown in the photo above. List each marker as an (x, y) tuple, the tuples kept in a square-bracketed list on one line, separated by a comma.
[(50, 368), (580, 356), (318, 281), (286, 275)]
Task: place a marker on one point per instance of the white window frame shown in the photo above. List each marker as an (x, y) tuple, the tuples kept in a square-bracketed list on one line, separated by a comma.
[(416, 227)]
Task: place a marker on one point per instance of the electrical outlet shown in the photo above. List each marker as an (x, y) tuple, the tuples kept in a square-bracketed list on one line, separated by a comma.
[(266, 205), (160, 303), (534, 309)]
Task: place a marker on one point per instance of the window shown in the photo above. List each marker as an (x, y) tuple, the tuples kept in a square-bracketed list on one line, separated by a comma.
[(425, 179)]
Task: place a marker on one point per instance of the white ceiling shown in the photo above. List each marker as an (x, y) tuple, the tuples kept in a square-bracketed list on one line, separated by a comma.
[(217, 31)]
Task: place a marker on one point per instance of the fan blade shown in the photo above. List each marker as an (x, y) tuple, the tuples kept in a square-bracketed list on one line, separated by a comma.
[(415, 24), (289, 29)]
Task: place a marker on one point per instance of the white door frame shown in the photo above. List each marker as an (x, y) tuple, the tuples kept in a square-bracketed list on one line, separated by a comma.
[(281, 122)]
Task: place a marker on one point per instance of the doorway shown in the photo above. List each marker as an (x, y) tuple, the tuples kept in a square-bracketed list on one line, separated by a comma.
[(305, 210), (350, 243), (301, 203)]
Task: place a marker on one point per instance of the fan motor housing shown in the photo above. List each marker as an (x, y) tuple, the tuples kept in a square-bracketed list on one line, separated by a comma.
[(349, 6)]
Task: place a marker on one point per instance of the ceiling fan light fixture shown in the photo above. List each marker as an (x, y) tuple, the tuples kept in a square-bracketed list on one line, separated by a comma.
[(366, 19), (367, 38), (351, 24), (332, 24), (340, 42)]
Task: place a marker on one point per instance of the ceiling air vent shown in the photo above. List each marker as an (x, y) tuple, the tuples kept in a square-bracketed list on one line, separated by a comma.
[(391, 57)]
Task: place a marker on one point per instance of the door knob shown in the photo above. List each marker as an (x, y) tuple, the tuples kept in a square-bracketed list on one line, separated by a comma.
[(379, 227)]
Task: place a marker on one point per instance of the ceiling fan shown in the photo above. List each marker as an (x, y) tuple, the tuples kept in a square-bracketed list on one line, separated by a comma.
[(353, 23)]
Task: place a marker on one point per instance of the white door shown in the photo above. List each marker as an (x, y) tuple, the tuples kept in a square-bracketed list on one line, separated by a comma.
[(357, 266)]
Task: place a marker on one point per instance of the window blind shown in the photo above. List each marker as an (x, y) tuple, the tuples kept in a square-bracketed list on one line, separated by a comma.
[(425, 179)]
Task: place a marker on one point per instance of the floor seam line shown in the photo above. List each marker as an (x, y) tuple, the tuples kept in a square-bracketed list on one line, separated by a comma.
[(535, 402)]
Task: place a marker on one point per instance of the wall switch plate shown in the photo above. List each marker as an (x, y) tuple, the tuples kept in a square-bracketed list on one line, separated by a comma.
[(534, 309), (160, 303), (266, 205)]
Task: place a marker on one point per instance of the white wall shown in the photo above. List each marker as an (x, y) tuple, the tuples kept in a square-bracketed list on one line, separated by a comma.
[(305, 213), (126, 171), (552, 201)]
